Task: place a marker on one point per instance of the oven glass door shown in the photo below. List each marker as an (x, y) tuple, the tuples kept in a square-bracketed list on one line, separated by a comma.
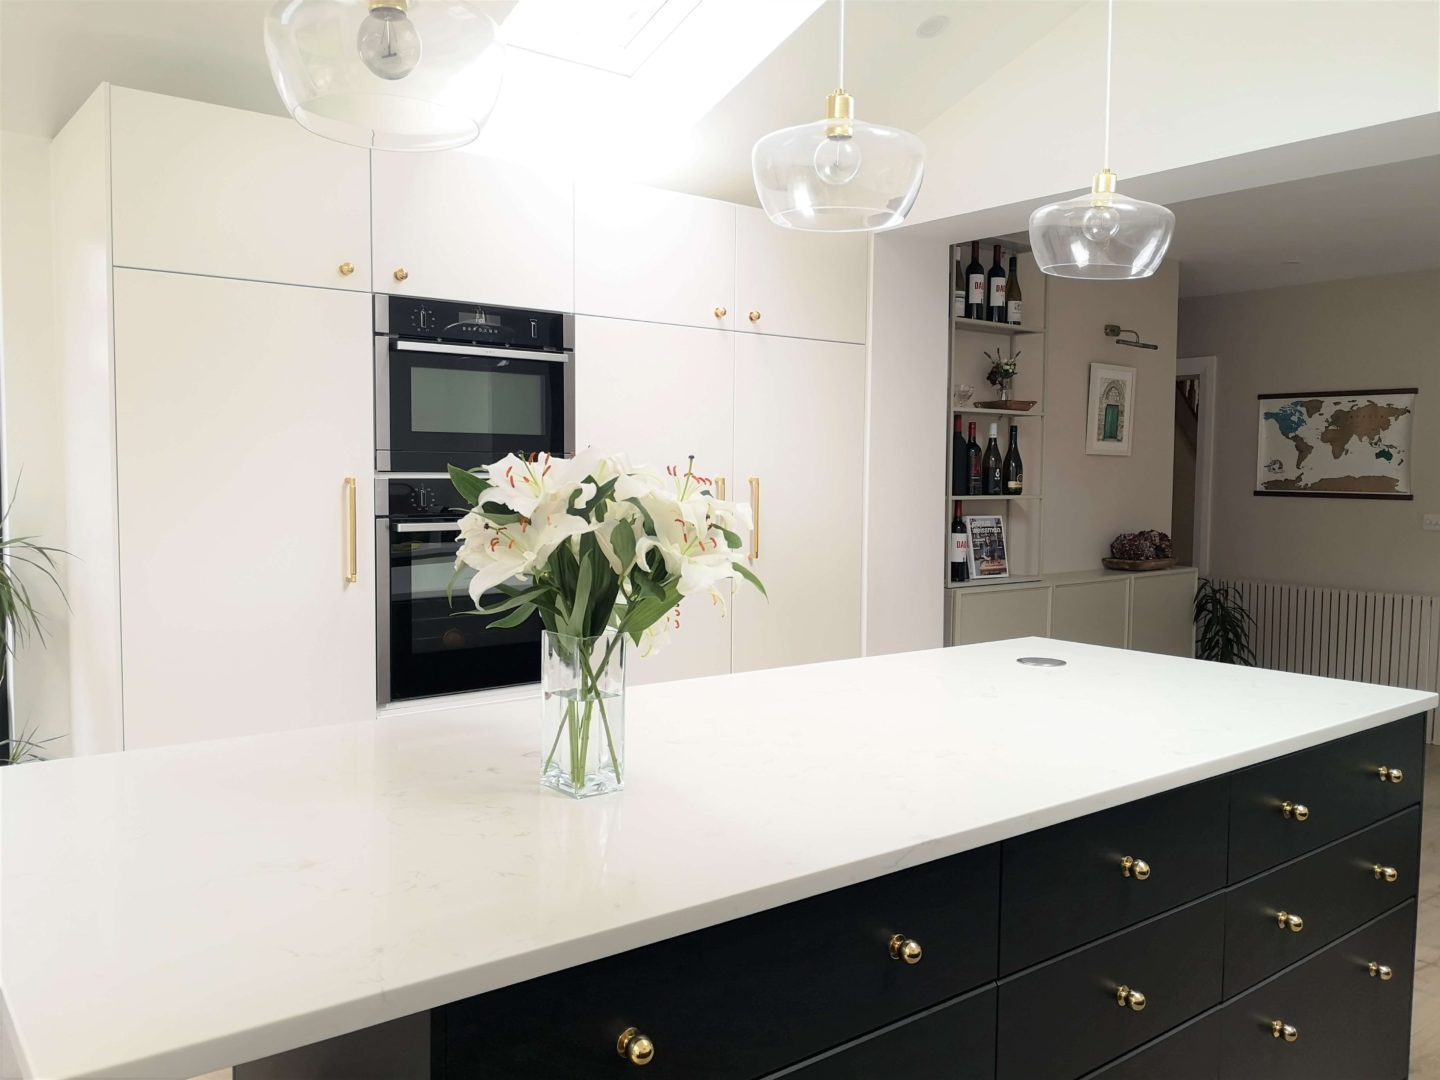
[(467, 405), (434, 646)]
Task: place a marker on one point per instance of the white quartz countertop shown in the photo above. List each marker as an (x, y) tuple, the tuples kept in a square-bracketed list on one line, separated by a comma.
[(167, 912)]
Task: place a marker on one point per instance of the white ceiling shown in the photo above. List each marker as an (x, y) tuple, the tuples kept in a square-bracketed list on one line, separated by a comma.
[(1382, 220)]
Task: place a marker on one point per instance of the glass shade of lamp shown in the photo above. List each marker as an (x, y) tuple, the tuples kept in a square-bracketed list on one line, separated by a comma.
[(838, 174), (1101, 236), (386, 74)]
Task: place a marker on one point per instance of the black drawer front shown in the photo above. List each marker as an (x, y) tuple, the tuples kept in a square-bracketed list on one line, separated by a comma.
[(1065, 885), (751, 996), (1332, 891), (954, 1042), (1062, 1019), (1339, 784), (1350, 1024), (1188, 1053)]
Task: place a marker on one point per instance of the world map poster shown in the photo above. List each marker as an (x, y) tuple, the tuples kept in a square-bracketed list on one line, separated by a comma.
[(1347, 444)]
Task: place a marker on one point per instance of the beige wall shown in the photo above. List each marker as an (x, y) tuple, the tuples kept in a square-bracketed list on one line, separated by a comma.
[(1371, 333), (1090, 499), (32, 388)]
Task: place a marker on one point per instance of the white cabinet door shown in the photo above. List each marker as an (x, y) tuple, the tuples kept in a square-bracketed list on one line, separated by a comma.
[(659, 256), (203, 189), (659, 394), (241, 408), (801, 284), (461, 227), (799, 431)]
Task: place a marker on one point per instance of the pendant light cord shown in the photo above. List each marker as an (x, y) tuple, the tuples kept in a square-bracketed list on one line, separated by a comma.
[(842, 44), (1109, 63)]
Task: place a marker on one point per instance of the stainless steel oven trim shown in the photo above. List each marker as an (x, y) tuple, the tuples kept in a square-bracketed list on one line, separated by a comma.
[(382, 402), (382, 606), (426, 526), (481, 350)]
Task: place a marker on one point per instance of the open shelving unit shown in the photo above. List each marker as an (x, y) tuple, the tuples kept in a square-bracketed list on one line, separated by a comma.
[(969, 339)]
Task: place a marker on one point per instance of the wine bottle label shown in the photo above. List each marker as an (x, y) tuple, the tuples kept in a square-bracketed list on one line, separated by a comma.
[(997, 292), (1012, 310), (977, 288), (959, 545), (1014, 487)]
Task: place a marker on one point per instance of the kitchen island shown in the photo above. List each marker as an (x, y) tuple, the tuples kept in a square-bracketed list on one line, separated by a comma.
[(1018, 871)]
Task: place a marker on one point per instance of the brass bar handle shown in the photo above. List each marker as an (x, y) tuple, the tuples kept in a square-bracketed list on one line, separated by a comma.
[(1281, 1030), (1287, 921), (635, 1047), (352, 561), (720, 488), (1393, 776), (1387, 874), (1139, 869), (907, 949), (1382, 972), (1298, 811), (1130, 999), (755, 518)]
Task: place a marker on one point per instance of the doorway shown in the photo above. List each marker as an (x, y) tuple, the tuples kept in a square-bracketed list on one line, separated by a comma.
[(1194, 459)]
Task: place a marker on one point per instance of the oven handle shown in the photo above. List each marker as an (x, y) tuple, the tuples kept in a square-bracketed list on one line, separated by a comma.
[(426, 526), (480, 350)]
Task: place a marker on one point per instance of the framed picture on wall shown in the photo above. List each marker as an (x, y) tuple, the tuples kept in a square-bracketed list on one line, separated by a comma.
[(988, 558), (1352, 444), (1108, 418)]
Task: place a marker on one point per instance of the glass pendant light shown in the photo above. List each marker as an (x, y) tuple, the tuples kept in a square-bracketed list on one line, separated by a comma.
[(1102, 236), (386, 74), (839, 174)]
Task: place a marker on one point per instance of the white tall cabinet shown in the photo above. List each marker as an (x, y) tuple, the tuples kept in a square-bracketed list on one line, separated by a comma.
[(236, 518)]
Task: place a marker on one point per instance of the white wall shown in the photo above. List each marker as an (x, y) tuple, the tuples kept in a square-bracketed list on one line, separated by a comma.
[(1346, 335), (31, 400), (1090, 499), (1194, 80)]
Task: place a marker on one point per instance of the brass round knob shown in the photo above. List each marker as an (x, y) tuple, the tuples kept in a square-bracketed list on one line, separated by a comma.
[(1286, 921), (346, 269), (1139, 869), (903, 948), (1392, 775), (1382, 972), (721, 312), (1282, 1030), (401, 273), (635, 1047), (1298, 811), (1133, 999), (1388, 874), (754, 316)]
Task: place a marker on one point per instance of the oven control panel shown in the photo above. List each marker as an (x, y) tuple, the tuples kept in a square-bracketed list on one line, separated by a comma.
[(480, 324), (419, 497)]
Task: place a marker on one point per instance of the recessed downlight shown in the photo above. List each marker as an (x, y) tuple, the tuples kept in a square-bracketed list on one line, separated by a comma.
[(934, 26)]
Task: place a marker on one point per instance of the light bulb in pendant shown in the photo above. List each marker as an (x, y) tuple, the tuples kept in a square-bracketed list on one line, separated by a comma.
[(1100, 223), (837, 160), (388, 42)]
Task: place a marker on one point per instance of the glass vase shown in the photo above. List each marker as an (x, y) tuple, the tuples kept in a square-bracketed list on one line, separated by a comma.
[(1007, 388), (582, 693)]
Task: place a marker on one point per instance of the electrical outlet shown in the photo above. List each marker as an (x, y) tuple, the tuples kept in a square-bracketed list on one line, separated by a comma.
[(1431, 523)]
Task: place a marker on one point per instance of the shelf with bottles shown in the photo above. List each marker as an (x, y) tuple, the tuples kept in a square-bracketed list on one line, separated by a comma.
[(958, 410), (992, 498), (983, 326), (991, 298)]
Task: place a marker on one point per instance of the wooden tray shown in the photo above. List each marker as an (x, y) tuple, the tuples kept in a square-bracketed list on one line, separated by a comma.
[(1138, 565), (1011, 406)]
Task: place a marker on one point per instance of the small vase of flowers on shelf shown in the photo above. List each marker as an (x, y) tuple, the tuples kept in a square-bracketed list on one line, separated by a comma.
[(1002, 373), (603, 554)]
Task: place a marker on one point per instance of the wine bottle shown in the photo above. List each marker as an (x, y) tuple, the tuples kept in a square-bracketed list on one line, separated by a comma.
[(974, 470), (975, 284), (1013, 470), (1012, 295), (990, 470), (959, 460), (995, 280), (959, 547)]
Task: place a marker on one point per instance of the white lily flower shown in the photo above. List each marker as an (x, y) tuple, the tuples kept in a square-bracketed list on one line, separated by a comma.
[(498, 553), (540, 487)]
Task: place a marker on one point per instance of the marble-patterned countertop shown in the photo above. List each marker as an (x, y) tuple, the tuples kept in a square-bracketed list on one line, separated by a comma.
[(166, 912)]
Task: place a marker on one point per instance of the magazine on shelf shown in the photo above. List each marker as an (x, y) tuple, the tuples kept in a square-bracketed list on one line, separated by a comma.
[(988, 558)]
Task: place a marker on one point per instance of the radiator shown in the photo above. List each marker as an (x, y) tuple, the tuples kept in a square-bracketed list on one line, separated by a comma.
[(1387, 638)]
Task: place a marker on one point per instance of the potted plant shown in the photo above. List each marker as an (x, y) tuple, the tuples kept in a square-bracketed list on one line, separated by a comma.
[(20, 619), (604, 554), (1222, 625)]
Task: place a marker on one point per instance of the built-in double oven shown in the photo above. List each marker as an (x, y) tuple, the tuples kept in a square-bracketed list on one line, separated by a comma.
[(455, 384)]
